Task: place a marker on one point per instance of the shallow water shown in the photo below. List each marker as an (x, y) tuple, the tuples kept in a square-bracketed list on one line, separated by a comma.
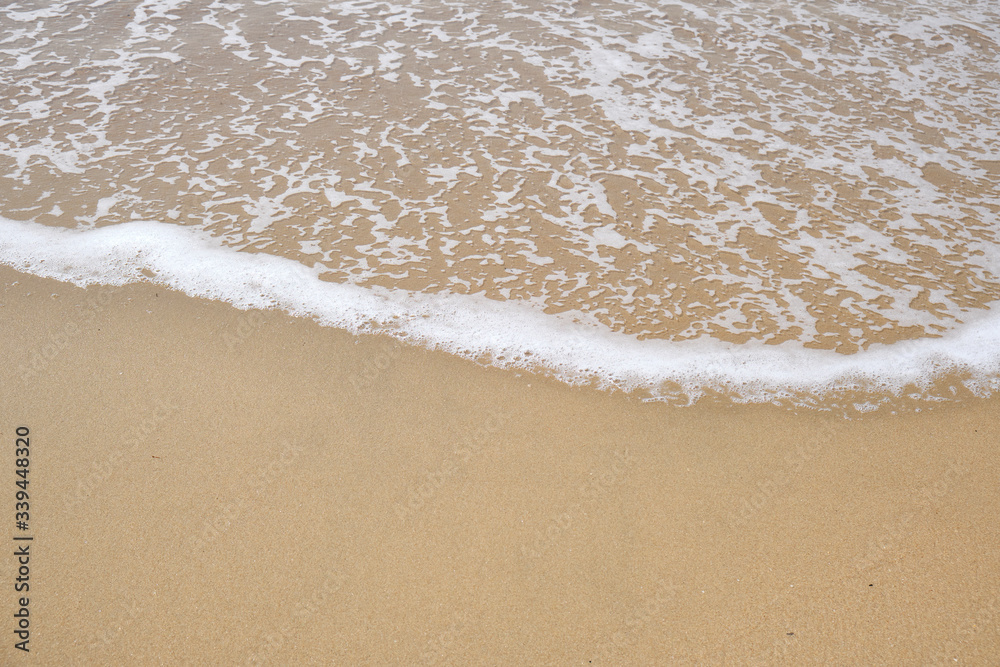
[(733, 174)]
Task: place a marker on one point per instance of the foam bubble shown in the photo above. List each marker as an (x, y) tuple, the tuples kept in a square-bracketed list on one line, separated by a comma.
[(508, 333), (811, 176)]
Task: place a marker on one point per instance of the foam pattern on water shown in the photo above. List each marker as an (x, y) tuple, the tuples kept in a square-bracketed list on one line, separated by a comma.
[(803, 175), (510, 334)]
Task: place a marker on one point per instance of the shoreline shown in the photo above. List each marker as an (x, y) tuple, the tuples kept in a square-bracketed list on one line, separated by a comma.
[(959, 362), (216, 485)]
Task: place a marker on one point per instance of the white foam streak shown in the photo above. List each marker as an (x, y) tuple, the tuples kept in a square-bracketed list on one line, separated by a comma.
[(508, 334)]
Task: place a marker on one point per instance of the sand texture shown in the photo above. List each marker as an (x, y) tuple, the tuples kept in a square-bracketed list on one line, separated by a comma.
[(214, 486)]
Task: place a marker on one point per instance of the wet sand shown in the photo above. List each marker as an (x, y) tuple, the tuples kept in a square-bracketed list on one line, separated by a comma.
[(212, 486)]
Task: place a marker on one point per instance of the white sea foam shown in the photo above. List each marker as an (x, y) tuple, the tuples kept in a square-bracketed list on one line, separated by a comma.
[(508, 334), (665, 175)]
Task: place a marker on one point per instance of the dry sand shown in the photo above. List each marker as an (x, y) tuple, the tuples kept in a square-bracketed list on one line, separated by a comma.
[(210, 486)]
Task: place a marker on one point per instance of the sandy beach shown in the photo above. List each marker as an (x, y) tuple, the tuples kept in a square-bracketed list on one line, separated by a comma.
[(215, 486), (734, 202)]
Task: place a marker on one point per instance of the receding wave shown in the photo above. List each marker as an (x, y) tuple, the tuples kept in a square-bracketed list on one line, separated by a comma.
[(759, 199), (507, 333)]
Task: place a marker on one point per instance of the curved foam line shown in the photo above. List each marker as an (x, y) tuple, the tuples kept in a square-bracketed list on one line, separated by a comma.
[(509, 333)]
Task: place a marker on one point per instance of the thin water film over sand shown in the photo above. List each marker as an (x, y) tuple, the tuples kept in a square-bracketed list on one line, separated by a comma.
[(826, 173)]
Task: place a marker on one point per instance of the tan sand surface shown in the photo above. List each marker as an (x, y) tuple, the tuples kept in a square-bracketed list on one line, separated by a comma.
[(211, 486)]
